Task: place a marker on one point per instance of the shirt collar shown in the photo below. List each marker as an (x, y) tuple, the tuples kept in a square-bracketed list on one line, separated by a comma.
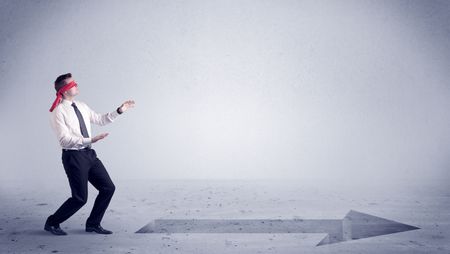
[(67, 102)]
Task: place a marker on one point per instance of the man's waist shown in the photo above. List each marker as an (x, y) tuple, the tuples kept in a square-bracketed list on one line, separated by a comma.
[(88, 148)]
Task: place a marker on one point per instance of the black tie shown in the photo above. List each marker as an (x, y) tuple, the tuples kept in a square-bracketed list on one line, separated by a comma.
[(83, 129)]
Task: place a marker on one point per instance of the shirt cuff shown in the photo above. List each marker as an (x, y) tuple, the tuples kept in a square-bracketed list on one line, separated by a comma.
[(87, 141)]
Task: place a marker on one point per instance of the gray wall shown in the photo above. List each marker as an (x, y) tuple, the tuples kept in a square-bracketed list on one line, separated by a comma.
[(353, 91)]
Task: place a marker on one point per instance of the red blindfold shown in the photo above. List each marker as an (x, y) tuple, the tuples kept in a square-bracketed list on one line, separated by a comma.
[(60, 92)]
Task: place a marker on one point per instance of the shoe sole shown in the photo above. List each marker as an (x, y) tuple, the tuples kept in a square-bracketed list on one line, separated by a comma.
[(54, 233), (93, 230)]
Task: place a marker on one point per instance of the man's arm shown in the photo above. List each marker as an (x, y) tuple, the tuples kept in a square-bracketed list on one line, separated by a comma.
[(101, 119), (107, 118)]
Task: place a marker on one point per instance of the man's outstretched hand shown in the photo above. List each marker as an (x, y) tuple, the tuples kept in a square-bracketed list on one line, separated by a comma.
[(126, 105), (99, 137)]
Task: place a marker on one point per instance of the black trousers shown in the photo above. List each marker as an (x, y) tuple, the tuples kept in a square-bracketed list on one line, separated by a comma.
[(82, 167)]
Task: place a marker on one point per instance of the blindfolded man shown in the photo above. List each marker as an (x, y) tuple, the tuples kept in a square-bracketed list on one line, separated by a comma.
[(71, 121)]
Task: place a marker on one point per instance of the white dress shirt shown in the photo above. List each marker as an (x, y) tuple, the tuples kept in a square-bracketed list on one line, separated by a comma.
[(65, 123)]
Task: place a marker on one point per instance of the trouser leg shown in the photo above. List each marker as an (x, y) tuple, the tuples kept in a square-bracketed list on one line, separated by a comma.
[(99, 178), (76, 165)]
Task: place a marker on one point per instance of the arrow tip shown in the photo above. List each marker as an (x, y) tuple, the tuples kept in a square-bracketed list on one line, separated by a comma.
[(357, 225), (364, 225)]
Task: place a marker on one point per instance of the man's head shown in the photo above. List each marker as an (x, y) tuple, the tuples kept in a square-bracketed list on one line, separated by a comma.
[(63, 80)]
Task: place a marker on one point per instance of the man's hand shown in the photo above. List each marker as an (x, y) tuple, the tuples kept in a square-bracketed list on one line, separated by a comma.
[(126, 105), (99, 137)]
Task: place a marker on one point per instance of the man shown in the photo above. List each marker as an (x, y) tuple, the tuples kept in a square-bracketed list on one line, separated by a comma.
[(71, 120)]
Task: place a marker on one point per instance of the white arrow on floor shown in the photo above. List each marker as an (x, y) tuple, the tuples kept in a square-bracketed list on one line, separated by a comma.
[(355, 225)]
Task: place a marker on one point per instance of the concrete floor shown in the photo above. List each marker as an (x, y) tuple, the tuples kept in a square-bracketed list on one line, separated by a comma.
[(136, 203)]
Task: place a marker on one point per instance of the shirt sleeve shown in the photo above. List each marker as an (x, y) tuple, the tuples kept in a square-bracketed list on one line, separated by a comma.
[(101, 119), (65, 138)]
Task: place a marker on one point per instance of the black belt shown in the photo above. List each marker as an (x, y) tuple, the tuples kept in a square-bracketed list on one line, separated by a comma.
[(78, 150)]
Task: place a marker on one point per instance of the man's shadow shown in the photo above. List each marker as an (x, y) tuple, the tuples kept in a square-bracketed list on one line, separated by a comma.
[(43, 232)]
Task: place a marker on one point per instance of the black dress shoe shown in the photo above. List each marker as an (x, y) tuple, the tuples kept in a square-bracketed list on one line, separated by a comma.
[(56, 230), (98, 229)]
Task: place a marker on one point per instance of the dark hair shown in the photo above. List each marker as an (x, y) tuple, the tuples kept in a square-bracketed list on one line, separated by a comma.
[(59, 82)]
